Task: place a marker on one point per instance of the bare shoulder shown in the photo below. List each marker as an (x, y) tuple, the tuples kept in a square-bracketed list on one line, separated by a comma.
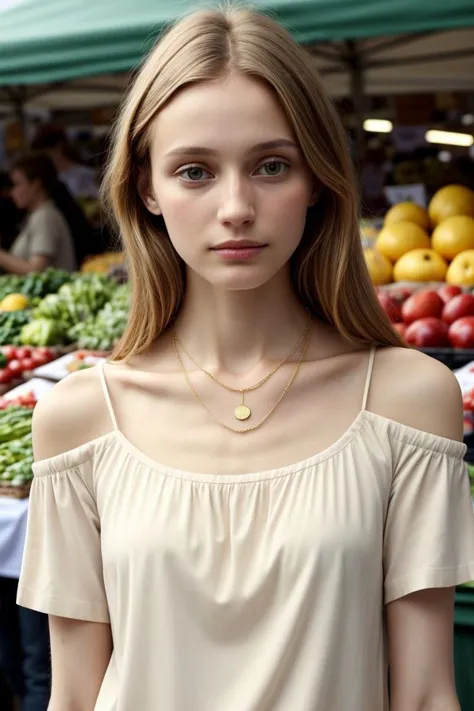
[(74, 412), (412, 388)]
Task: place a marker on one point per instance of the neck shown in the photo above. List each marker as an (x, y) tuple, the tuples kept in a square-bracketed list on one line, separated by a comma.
[(62, 163), (38, 201), (234, 331)]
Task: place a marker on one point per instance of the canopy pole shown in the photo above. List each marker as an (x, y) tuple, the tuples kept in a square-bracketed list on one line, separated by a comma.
[(357, 80), (18, 96)]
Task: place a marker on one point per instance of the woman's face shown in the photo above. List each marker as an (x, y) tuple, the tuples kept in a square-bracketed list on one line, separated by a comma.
[(24, 192), (230, 181)]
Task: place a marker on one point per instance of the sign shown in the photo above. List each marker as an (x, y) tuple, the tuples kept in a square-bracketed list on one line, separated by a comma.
[(407, 139), (406, 193)]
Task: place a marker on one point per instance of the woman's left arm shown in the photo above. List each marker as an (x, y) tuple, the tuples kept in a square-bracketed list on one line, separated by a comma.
[(420, 634), (15, 265), (429, 528)]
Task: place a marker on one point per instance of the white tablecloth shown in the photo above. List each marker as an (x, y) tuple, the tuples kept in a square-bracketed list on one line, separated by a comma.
[(13, 516)]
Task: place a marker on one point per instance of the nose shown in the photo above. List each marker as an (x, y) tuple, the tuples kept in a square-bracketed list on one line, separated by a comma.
[(237, 205)]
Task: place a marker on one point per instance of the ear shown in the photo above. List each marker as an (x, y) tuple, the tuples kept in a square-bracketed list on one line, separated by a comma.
[(146, 193), (315, 193)]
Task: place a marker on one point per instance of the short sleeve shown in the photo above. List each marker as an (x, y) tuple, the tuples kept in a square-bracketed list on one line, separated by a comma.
[(44, 234), (429, 529), (62, 570)]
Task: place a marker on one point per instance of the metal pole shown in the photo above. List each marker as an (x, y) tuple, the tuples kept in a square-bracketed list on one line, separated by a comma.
[(357, 79)]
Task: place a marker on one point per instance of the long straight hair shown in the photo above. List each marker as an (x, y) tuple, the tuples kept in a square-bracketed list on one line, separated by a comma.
[(328, 267)]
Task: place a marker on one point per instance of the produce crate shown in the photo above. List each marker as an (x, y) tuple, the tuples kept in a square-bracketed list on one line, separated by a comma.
[(15, 492), (464, 646), (452, 357)]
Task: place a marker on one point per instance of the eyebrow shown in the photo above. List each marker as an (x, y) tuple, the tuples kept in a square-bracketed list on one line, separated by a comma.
[(200, 150)]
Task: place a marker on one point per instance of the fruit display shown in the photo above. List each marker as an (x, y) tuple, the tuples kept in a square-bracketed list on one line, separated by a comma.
[(449, 201), (453, 236), (380, 268), (429, 332), (420, 265), (461, 269), (15, 361), (102, 263), (397, 239), (429, 318), (14, 302), (408, 212), (433, 245), (26, 400)]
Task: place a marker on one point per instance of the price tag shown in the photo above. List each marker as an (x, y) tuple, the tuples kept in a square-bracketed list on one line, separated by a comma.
[(406, 193)]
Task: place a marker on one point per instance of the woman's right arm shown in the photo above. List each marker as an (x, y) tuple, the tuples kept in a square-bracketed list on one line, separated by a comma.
[(72, 414), (80, 654)]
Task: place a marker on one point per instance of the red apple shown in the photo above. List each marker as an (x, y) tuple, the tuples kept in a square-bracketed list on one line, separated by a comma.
[(449, 291), (390, 306), (427, 333), (401, 293), (461, 333), (459, 306), (424, 304), (401, 328)]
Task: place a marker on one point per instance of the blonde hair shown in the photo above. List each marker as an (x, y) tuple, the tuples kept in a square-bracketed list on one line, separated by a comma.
[(328, 267)]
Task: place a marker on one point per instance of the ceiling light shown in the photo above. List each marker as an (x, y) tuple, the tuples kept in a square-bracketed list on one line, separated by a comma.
[(378, 126), (449, 138)]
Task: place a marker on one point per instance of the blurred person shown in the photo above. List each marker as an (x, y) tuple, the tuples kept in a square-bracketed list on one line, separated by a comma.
[(24, 651), (80, 180), (10, 216), (46, 239), (257, 502)]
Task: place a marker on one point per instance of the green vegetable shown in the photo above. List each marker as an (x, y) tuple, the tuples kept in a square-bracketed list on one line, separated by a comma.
[(42, 332), (16, 449), (103, 331), (11, 324)]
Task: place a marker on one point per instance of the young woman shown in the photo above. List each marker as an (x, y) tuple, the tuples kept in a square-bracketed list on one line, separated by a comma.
[(262, 496), (46, 238)]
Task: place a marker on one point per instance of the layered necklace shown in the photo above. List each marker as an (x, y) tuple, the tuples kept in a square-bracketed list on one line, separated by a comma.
[(242, 411)]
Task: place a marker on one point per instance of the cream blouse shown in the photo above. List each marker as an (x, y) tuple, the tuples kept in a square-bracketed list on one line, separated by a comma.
[(248, 592)]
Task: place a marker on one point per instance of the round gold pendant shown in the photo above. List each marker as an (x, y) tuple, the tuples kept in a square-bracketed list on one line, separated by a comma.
[(242, 412)]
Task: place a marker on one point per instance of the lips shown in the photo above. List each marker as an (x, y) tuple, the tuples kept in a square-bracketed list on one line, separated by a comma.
[(239, 244)]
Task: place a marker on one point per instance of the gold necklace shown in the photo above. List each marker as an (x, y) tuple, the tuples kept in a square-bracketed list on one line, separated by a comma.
[(259, 424), (242, 411)]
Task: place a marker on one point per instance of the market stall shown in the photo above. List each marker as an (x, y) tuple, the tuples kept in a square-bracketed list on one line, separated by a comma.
[(57, 57)]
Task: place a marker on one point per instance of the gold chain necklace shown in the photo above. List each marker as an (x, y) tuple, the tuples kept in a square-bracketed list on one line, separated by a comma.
[(259, 424), (242, 411)]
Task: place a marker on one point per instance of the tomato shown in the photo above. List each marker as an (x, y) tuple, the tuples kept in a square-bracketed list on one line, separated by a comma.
[(23, 352), (9, 352), (45, 352), (5, 376), (28, 364), (39, 359), (15, 367)]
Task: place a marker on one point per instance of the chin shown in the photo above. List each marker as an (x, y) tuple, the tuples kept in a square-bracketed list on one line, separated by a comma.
[(242, 278)]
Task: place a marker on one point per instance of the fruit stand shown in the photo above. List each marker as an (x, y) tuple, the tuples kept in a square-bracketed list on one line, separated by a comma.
[(43, 317), (422, 265)]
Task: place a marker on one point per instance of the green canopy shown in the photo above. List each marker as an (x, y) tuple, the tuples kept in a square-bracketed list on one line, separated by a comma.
[(44, 41)]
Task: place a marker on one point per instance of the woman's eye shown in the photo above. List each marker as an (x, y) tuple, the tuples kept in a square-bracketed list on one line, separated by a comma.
[(194, 174), (273, 168)]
